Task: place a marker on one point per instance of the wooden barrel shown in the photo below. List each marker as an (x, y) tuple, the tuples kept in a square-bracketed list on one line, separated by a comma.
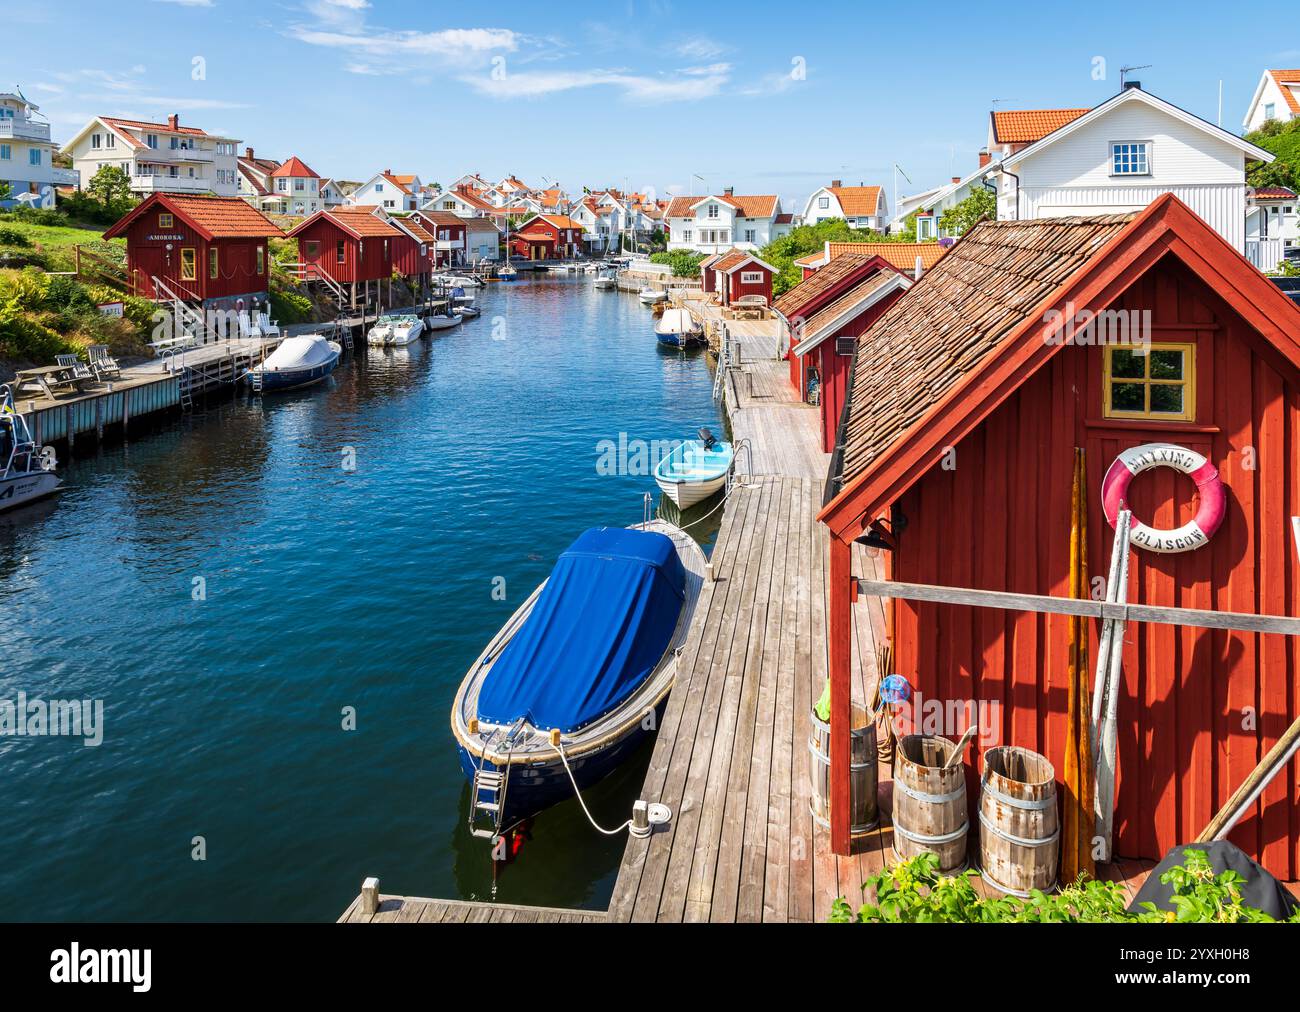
[(862, 771), (930, 801), (1020, 835)]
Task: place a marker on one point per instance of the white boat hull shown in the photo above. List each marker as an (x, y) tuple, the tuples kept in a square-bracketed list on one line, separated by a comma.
[(686, 494), (441, 322), (20, 489)]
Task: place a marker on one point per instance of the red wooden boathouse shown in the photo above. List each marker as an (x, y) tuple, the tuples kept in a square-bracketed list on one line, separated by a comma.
[(351, 246), (210, 251), (965, 409), (449, 236), (736, 274), (546, 237)]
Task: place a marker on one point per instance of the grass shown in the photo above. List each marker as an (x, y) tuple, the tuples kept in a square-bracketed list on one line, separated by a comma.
[(52, 244)]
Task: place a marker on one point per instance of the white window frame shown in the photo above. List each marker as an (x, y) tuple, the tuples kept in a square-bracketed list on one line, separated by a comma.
[(823, 203), (712, 211), (1139, 148), (751, 277)]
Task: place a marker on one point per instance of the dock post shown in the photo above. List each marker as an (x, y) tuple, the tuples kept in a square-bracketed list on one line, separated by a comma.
[(67, 425), (370, 896)]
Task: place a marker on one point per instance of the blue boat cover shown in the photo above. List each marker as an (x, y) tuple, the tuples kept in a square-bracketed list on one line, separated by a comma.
[(596, 632)]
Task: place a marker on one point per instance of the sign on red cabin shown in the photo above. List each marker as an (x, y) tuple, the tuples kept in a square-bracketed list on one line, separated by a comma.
[(962, 430), (208, 250)]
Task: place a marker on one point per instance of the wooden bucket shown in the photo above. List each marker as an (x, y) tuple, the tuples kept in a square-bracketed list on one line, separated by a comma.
[(1020, 834), (929, 802), (862, 771)]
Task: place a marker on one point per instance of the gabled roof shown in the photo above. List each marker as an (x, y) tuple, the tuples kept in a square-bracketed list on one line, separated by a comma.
[(251, 177), (1272, 193), (295, 166), (557, 220), (359, 221), (414, 229), (211, 217), (760, 206), (442, 218), (737, 258), (857, 201), (1024, 126), (480, 224), (810, 292), (975, 328), (473, 200), (1129, 95), (899, 254), (856, 301), (1286, 80)]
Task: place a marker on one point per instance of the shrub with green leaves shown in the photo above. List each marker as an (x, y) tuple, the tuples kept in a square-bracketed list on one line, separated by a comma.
[(915, 892), (684, 262)]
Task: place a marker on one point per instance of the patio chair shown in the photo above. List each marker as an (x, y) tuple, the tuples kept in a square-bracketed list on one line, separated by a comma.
[(102, 362), (81, 372)]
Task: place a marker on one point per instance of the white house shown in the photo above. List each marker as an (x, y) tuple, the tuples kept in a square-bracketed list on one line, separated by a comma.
[(330, 194), (295, 189), (1119, 157), (391, 192), (1272, 225), (27, 154), (157, 157), (717, 222), (1277, 97), (482, 239), (860, 206)]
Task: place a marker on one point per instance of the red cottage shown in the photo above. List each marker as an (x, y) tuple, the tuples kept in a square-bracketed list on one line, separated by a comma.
[(816, 293), (210, 251), (416, 257), (350, 246), (449, 229), (967, 402), (737, 275), (547, 236)]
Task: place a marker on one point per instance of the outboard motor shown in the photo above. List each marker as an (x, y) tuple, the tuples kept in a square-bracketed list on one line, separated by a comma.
[(707, 438)]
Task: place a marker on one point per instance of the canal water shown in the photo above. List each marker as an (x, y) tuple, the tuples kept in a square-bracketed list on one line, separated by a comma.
[(232, 592)]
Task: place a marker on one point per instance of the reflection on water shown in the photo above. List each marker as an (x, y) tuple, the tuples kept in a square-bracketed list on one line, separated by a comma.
[(323, 589)]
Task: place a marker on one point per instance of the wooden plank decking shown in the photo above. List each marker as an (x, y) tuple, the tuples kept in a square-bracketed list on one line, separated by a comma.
[(419, 910)]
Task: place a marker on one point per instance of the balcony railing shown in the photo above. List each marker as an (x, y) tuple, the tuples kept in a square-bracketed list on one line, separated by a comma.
[(170, 184), (1265, 253), (23, 129), (173, 155), (65, 177)]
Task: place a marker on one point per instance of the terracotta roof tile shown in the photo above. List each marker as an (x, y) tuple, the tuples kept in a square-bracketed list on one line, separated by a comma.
[(1283, 78), (1273, 193), (140, 124), (807, 292), (761, 206), (295, 167), (1024, 126), (442, 218), (360, 220), (988, 284), (901, 254), (859, 295), (219, 217), (857, 201)]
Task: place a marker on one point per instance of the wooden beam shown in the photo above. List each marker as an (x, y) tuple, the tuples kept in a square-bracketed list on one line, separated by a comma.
[(839, 648), (1230, 620)]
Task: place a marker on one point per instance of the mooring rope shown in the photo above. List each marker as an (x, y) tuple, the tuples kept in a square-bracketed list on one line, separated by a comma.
[(587, 812)]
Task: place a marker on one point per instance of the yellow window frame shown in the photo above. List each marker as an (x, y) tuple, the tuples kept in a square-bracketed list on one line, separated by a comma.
[(261, 260), (214, 264), (1188, 382), (189, 264), (166, 221)]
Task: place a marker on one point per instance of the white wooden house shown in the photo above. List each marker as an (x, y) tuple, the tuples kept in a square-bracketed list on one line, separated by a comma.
[(1272, 225), (1276, 97), (861, 206), (27, 154), (717, 222), (157, 157), (391, 192)]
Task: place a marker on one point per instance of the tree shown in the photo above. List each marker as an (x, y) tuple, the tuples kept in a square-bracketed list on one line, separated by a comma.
[(111, 189), (981, 203), (1283, 139), (5, 192)]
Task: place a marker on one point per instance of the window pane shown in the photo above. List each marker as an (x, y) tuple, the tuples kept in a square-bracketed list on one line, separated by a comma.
[(1126, 364), (1127, 397), (1167, 398), (1166, 365)]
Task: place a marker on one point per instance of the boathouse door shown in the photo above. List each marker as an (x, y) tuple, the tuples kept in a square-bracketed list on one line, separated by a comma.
[(149, 262)]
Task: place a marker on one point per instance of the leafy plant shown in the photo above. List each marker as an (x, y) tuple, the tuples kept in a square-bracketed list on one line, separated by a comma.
[(957, 219), (914, 891), (684, 262)]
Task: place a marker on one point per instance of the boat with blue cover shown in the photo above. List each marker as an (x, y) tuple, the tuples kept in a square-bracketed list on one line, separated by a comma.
[(565, 691), (297, 362), (695, 469)]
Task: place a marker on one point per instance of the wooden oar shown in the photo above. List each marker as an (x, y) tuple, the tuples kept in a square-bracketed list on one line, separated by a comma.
[(962, 742)]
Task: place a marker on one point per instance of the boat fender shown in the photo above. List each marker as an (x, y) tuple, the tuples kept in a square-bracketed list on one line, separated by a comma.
[(1213, 497)]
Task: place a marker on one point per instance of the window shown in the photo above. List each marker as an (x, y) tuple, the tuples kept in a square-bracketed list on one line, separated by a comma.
[(749, 235), (282, 185), (1158, 382), (95, 141), (713, 211), (6, 152), (1270, 110), (845, 345), (385, 249), (379, 187), (151, 140), (686, 235), (313, 249), (751, 277), (339, 254), (823, 203), (166, 221), (188, 270), (34, 156), (1130, 158), (213, 269), (110, 140), (261, 260)]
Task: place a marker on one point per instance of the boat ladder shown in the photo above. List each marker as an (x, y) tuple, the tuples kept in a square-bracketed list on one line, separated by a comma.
[(488, 796), (724, 363)]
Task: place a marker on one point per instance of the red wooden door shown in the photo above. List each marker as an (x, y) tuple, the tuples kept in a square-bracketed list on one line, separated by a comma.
[(149, 262)]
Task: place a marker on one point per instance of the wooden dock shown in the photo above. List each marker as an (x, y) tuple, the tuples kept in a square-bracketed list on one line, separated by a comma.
[(418, 910)]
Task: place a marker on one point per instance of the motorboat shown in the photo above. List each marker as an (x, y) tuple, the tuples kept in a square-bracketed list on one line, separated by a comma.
[(296, 362), (381, 333), (458, 280), (26, 469), (441, 322), (468, 312), (606, 279), (695, 469), (649, 296), (506, 272), (561, 696), (460, 297), (396, 329), (677, 328)]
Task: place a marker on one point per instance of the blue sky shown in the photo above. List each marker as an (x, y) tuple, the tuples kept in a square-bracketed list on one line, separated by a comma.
[(769, 97)]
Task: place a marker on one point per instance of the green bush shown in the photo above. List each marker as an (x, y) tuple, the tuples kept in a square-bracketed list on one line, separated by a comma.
[(915, 892), (12, 237), (290, 307), (684, 262)]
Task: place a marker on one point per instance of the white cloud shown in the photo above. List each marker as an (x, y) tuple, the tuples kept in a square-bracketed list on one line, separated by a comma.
[(635, 87), (712, 68), (453, 43), (699, 48)]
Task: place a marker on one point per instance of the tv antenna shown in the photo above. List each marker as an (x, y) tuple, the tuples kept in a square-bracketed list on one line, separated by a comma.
[(1125, 71)]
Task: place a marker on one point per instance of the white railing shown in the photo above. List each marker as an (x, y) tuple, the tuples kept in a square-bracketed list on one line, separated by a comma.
[(1265, 253), (65, 177), (24, 129), (177, 155), (151, 183)]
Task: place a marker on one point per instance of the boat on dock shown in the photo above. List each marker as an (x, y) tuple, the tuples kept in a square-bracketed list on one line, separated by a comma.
[(677, 328), (396, 329), (468, 312), (297, 362), (559, 698), (26, 469), (695, 470)]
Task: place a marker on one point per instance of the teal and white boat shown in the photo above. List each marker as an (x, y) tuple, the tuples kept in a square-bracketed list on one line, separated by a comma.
[(695, 469)]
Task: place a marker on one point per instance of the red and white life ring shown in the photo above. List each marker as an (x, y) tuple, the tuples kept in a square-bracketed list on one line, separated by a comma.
[(1192, 535)]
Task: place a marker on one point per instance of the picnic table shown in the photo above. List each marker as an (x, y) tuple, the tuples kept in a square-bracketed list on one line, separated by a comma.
[(50, 380)]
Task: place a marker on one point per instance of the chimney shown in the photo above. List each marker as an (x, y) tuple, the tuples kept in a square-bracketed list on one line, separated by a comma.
[(729, 191), (836, 184), (1132, 84), (388, 172), (174, 121), (956, 179), (248, 154), (985, 157)]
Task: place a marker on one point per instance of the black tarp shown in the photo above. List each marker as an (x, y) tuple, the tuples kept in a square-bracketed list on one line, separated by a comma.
[(1260, 890)]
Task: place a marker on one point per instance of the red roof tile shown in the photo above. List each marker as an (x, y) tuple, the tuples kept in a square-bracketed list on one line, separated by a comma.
[(214, 217), (1024, 126), (295, 167), (1283, 78)]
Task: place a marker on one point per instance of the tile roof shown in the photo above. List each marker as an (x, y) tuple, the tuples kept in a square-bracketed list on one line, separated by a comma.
[(861, 296), (1273, 193), (760, 206), (857, 201), (480, 223), (784, 219), (991, 281), (731, 260), (360, 220), (217, 217), (251, 178), (396, 182), (806, 292), (1024, 126), (901, 254), (414, 227), (1283, 78), (295, 166), (139, 124), (442, 218)]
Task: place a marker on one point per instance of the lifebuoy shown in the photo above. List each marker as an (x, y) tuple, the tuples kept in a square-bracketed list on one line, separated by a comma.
[(1192, 535)]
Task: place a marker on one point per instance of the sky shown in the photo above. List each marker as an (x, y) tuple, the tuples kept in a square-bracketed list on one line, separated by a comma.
[(660, 96)]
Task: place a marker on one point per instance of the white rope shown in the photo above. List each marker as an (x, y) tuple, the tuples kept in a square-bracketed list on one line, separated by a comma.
[(595, 825)]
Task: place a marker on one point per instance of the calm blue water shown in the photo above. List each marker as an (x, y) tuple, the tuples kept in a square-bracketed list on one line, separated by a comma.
[(325, 589)]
